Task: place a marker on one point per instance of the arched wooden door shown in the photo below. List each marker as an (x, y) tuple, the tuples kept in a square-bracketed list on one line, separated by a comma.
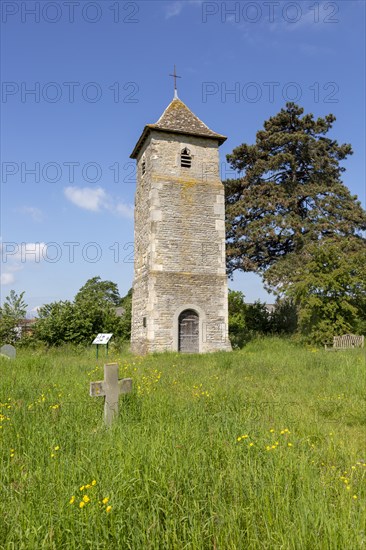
[(188, 335)]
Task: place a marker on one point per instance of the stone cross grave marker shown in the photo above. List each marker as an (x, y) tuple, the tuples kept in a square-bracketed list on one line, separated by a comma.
[(8, 351), (110, 388)]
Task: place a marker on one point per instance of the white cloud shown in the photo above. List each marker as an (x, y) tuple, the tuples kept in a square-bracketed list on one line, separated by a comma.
[(14, 253), (125, 210), (7, 279), (14, 256), (86, 197), (97, 199), (282, 17), (173, 9), (35, 213)]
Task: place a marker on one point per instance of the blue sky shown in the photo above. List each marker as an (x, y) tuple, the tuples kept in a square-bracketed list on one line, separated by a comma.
[(99, 72)]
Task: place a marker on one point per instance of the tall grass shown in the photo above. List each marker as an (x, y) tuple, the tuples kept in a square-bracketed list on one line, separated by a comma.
[(260, 448)]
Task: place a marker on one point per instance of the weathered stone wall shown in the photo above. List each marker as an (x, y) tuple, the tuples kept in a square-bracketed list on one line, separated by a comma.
[(142, 258), (176, 292), (179, 244)]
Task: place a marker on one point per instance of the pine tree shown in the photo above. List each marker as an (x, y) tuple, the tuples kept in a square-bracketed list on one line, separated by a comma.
[(289, 192)]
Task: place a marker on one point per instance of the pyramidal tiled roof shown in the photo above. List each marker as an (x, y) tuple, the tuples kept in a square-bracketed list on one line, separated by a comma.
[(179, 119)]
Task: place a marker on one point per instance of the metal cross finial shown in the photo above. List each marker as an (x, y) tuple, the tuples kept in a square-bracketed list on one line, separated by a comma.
[(175, 76)]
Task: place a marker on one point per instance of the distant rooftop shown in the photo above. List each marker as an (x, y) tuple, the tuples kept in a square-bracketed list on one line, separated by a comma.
[(179, 119), (269, 307)]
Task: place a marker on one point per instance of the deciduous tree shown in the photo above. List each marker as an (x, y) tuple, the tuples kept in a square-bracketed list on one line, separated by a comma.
[(328, 284), (78, 322), (12, 312)]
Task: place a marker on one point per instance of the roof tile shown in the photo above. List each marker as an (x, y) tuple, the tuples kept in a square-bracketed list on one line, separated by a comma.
[(178, 118)]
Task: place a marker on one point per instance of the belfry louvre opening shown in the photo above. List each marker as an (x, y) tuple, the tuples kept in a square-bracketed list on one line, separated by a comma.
[(185, 158)]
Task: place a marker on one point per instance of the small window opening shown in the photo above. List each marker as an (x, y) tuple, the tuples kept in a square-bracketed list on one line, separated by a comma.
[(185, 158), (144, 322), (143, 166)]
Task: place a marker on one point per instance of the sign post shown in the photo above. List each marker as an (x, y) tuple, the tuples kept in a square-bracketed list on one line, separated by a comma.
[(102, 339)]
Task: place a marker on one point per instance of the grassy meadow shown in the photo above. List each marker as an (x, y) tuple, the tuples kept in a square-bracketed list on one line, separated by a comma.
[(259, 448)]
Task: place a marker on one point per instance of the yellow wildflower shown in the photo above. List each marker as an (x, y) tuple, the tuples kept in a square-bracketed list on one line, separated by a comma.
[(94, 482), (82, 488), (57, 448), (86, 499), (108, 509), (105, 500), (82, 504), (72, 500), (355, 497)]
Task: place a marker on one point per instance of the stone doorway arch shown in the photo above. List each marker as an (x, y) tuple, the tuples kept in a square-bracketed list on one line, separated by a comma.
[(188, 332)]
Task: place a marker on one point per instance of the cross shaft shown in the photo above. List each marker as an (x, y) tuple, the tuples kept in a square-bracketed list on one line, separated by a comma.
[(110, 388), (175, 76)]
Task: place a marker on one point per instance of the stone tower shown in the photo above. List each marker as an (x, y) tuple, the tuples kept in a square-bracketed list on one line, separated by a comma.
[(180, 285)]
